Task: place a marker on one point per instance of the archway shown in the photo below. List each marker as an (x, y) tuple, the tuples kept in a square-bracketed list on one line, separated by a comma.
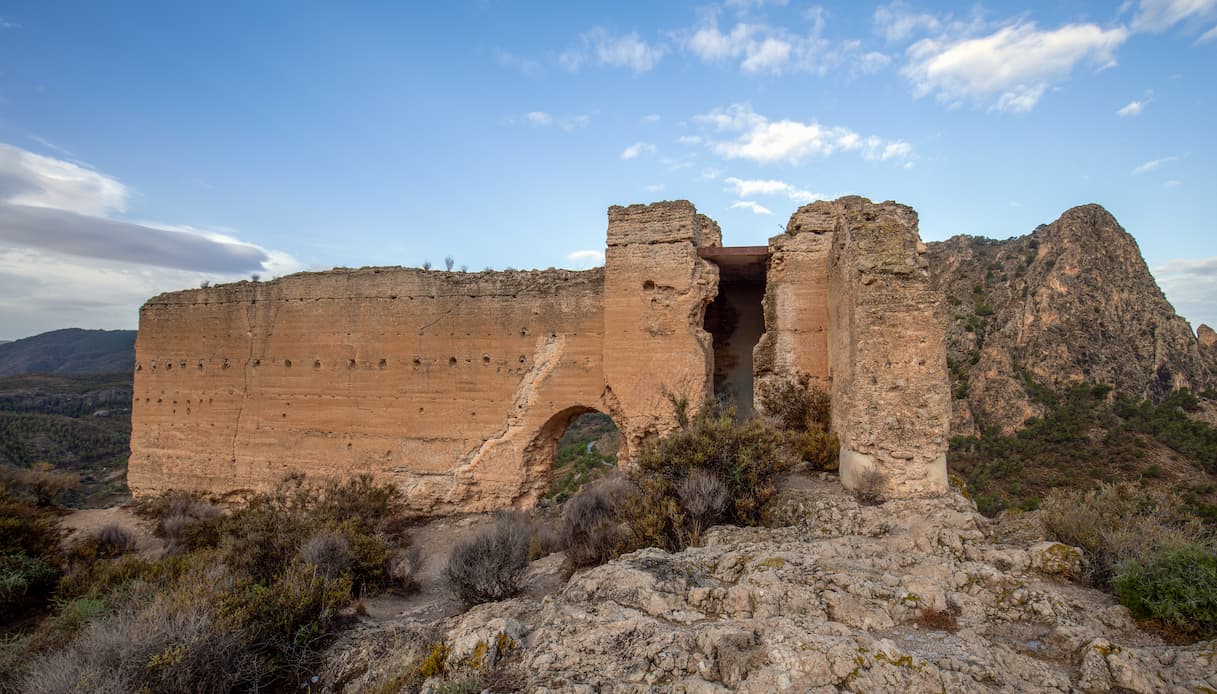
[(576, 446)]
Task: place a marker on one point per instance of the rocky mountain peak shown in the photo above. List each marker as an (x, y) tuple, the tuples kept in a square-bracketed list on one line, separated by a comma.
[(1207, 336), (1073, 301)]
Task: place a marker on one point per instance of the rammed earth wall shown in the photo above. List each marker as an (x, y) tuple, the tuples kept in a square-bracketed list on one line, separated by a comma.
[(456, 385)]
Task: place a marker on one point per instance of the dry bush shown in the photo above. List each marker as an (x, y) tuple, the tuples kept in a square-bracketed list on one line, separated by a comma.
[(704, 497), (113, 540), (819, 448), (546, 538), (871, 487), (1115, 523), (327, 552), (803, 413), (748, 457), (931, 619), (795, 404), (46, 483), (594, 522), (184, 519), (404, 569), (490, 565)]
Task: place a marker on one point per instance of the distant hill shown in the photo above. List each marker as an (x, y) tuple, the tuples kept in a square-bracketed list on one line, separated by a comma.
[(70, 351)]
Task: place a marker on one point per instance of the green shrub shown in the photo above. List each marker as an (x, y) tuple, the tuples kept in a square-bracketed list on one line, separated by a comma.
[(1118, 523), (246, 603), (714, 470), (29, 552), (748, 457), (24, 579), (1177, 586), (795, 404)]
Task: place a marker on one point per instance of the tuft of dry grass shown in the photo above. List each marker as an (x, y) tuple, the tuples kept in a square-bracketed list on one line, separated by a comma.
[(931, 619), (871, 487)]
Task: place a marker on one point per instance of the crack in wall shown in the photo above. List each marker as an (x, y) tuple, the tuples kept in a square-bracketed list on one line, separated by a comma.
[(236, 429), (546, 357)]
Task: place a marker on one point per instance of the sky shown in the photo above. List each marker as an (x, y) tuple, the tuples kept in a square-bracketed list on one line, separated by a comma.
[(152, 146)]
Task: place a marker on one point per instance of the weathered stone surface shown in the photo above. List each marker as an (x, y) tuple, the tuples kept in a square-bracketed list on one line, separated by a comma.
[(834, 603), (1071, 302), (430, 379), (456, 386), (1206, 336), (796, 304), (887, 351)]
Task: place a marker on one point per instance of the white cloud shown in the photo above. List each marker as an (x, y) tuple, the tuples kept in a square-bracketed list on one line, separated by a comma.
[(749, 4), (1012, 67), (675, 164), (1173, 183), (607, 50), (637, 149), (764, 141), (689, 139), (1208, 35), (538, 118), (750, 205), (64, 261), (770, 55), (649, 119), (586, 258), (749, 188), (1160, 15), (758, 48), (542, 119), (895, 22), (525, 66), (37, 181), (710, 173), (1191, 286), (1133, 108), (872, 62), (654, 188), (1153, 165)]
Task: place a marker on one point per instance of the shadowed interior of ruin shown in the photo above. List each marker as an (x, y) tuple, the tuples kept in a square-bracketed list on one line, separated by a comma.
[(736, 321)]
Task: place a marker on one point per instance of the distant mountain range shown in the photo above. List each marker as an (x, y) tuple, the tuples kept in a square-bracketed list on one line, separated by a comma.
[(70, 351)]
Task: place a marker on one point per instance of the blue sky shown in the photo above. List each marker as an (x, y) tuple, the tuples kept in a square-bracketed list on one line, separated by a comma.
[(150, 146)]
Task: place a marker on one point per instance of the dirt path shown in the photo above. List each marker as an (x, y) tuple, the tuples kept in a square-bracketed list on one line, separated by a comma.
[(84, 522), (434, 601)]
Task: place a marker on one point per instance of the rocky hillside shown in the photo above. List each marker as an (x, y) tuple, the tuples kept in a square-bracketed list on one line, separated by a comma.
[(916, 595), (70, 351), (1071, 302)]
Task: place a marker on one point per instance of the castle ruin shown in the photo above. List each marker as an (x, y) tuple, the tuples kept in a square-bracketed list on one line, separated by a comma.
[(456, 386)]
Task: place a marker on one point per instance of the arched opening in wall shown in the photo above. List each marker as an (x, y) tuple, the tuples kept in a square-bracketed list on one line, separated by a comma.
[(736, 320), (578, 445)]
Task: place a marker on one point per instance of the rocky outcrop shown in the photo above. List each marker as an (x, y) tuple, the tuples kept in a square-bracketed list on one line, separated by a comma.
[(1071, 302), (914, 595)]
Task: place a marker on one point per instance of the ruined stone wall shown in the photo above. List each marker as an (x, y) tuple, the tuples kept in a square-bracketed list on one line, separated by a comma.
[(437, 381), (456, 386), (452, 385), (656, 291), (887, 349), (796, 300)]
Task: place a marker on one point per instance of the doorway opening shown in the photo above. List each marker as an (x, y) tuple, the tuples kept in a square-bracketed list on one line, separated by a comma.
[(736, 321), (586, 448)]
